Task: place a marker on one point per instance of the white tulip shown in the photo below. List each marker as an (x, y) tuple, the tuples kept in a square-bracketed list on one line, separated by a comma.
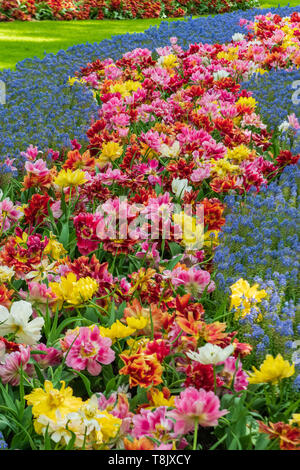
[(238, 37), (17, 321), (220, 74), (284, 126), (211, 354), (180, 186)]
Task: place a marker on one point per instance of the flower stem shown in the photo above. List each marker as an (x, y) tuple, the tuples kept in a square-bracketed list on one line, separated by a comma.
[(196, 434)]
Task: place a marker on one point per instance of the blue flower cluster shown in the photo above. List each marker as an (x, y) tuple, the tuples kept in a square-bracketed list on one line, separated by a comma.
[(260, 236), (3, 444), (260, 244), (278, 95), (41, 109)]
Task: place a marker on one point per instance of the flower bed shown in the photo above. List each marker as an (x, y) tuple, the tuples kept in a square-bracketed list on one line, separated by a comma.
[(148, 297), (27, 10), (58, 113)]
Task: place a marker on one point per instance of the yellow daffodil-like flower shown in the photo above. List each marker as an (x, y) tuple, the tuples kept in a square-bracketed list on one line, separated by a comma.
[(110, 152), (119, 88), (158, 399), (22, 240), (6, 273), (169, 61), (72, 291), (239, 153), (295, 419), (192, 233), (261, 71), (223, 167), (68, 178), (287, 28), (73, 80), (49, 400), (289, 43), (247, 101), (109, 425), (125, 88), (231, 54), (116, 331), (54, 248), (137, 323), (132, 85), (138, 76), (290, 39), (272, 370), (237, 120), (136, 344), (244, 297)]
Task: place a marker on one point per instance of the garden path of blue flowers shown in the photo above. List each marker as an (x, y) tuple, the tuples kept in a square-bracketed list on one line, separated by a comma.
[(41, 109)]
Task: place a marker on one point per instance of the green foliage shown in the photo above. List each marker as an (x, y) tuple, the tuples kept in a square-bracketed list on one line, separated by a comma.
[(43, 11)]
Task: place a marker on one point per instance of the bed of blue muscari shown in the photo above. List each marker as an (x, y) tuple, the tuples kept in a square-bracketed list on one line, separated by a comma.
[(260, 244), (277, 94), (43, 110), (274, 93)]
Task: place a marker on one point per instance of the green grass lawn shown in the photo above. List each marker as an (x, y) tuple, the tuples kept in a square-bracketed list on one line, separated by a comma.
[(20, 40), (282, 3)]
